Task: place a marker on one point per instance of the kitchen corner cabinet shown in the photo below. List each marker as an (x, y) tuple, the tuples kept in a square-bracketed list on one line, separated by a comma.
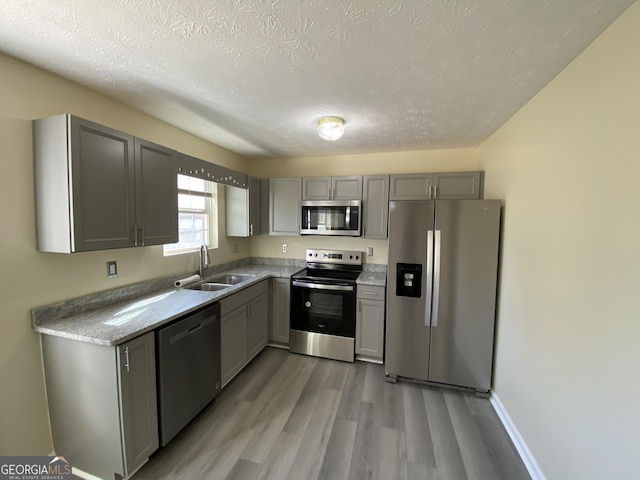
[(332, 188), (370, 316), (375, 205), (441, 186), (102, 403), (98, 188), (244, 328), (244, 212), (280, 308), (284, 206)]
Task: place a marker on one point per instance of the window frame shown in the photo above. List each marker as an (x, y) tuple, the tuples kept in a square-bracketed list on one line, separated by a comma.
[(211, 210)]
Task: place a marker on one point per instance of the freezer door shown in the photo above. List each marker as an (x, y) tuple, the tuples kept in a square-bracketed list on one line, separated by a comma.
[(465, 275), (408, 289)]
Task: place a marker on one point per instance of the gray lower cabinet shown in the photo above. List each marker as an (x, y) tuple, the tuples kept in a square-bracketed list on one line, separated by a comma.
[(244, 328), (284, 206), (370, 316), (443, 186), (375, 206), (102, 403), (280, 308), (98, 188), (244, 211)]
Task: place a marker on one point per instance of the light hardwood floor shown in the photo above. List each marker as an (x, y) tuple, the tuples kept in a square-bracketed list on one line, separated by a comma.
[(289, 416)]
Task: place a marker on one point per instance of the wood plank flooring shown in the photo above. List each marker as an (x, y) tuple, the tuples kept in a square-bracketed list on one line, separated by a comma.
[(289, 416)]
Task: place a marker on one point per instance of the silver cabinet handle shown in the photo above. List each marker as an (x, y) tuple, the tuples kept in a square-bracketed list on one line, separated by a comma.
[(369, 293), (142, 236), (135, 235), (436, 278), (126, 358)]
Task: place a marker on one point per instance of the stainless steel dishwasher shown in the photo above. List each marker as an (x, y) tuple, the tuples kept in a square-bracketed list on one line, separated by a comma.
[(188, 369)]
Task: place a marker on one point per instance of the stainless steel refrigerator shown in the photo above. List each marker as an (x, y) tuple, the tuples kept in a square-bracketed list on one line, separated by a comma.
[(441, 291)]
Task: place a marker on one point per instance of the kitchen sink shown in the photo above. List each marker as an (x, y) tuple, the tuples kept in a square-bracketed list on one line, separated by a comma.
[(230, 279), (209, 286)]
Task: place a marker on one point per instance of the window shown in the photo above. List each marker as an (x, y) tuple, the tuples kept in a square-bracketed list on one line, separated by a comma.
[(196, 215)]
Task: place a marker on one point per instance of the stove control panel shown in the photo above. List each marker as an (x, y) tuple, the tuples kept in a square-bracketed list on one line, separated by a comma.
[(342, 257)]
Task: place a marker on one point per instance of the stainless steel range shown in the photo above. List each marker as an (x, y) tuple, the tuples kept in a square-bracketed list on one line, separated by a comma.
[(323, 305)]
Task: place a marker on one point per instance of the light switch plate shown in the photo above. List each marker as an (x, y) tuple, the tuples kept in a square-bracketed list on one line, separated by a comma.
[(112, 269), (369, 251)]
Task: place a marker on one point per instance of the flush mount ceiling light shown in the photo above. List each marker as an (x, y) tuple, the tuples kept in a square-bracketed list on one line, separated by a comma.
[(330, 128)]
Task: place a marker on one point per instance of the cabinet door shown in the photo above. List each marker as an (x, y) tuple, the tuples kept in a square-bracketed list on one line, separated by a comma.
[(234, 346), (254, 206), (236, 211), (414, 186), (316, 188), (156, 194), (138, 400), (458, 185), (103, 173), (284, 206), (370, 328), (346, 188), (281, 299), (264, 207), (257, 325), (375, 206)]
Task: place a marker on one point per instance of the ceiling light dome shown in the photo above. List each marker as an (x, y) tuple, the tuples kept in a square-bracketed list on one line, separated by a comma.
[(330, 128)]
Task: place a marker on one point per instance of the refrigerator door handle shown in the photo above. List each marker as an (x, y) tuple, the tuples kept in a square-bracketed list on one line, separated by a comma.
[(429, 277), (436, 278)]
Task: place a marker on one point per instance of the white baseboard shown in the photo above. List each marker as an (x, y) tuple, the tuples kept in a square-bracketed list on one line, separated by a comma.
[(527, 457)]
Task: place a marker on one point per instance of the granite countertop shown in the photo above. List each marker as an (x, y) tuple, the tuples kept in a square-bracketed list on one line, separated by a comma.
[(376, 279), (121, 321)]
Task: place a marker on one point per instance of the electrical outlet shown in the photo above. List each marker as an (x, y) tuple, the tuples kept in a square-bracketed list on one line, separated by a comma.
[(112, 269), (236, 248), (284, 248), (369, 251)]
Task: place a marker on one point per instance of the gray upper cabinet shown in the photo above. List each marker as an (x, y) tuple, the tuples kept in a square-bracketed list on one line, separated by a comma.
[(98, 188), (332, 188), (411, 186), (244, 210), (375, 204), (284, 206), (443, 186), (458, 185), (156, 194), (107, 393)]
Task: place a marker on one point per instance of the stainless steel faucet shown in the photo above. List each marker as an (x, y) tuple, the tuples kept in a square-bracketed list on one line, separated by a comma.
[(204, 259)]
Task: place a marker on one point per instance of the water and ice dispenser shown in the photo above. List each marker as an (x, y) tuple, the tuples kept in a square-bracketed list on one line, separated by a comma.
[(409, 280)]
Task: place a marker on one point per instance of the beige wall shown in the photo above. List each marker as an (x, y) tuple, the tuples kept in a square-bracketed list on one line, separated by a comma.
[(369, 164), (568, 355), (30, 278)]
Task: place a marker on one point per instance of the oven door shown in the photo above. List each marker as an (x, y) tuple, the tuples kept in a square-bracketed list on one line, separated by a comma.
[(328, 308)]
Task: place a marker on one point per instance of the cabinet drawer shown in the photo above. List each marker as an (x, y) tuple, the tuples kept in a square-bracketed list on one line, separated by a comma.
[(243, 297), (369, 292)]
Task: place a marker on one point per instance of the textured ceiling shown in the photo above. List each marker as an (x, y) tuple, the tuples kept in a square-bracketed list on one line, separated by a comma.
[(255, 76)]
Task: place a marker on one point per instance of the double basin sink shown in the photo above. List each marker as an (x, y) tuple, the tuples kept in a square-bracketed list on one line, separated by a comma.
[(219, 282)]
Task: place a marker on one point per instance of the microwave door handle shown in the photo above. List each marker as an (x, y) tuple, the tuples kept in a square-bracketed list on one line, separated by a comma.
[(347, 219)]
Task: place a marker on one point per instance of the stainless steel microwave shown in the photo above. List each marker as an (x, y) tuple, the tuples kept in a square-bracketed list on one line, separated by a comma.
[(331, 217)]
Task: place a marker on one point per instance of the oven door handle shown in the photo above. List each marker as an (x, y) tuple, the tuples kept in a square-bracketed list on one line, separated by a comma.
[(322, 286)]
